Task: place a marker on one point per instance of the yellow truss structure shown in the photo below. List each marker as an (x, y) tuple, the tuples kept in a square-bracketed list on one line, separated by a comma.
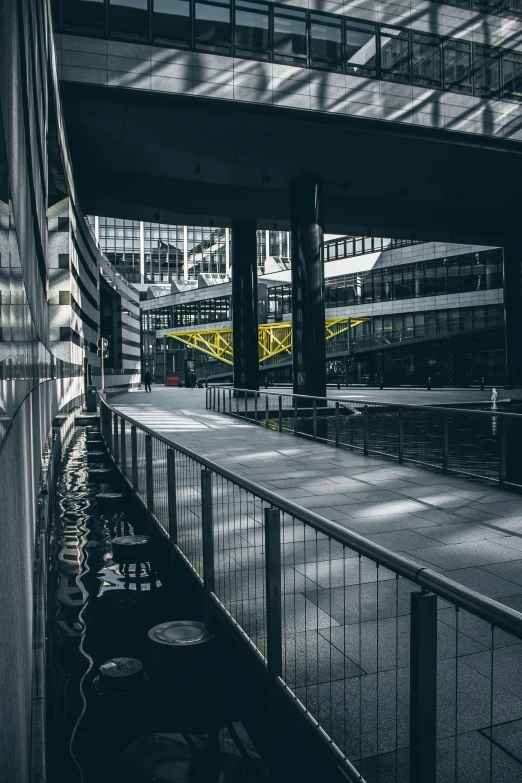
[(273, 338)]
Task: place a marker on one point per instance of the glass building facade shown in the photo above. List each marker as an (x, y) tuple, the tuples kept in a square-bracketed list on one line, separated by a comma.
[(296, 36), (467, 272), (144, 252)]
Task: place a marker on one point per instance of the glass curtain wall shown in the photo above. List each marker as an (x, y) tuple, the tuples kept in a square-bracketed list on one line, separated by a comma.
[(279, 33), (452, 275)]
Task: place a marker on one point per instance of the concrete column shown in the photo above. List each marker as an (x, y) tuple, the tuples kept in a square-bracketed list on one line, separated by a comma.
[(308, 313), (513, 316), (142, 252), (244, 305), (227, 252), (185, 253)]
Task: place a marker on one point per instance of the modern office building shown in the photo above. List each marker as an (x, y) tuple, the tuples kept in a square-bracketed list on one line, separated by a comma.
[(154, 254), (419, 311), (401, 118)]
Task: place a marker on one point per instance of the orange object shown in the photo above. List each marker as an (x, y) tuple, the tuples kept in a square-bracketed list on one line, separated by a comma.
[(172, 380)]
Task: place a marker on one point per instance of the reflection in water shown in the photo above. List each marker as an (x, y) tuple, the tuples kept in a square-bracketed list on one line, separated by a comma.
[(183, 722)]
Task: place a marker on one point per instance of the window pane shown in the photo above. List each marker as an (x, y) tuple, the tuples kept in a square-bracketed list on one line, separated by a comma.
[(290, 35), (395, 54), (326, 38), (212, 26), (486, 6), (129, 19), (84, 16), (171, 22), (512, 72), (511, 8), (427, 71), (457, 66), (252, 28), (361, 49), (487, 71)]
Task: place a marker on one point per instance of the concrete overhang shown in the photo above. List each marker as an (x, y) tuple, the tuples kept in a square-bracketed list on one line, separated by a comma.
[(204, 161)]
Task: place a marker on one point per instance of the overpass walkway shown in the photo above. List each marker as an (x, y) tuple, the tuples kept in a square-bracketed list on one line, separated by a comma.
[(352, 624)]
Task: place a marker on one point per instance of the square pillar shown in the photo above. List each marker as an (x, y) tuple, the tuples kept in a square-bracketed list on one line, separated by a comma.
[(244, 305), (308, 311)]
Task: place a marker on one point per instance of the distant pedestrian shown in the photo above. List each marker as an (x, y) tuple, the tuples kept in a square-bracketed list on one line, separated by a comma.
[(146, 378)]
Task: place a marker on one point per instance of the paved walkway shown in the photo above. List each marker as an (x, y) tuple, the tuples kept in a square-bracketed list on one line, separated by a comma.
[(346, 627), (447, 523), (448, 396)]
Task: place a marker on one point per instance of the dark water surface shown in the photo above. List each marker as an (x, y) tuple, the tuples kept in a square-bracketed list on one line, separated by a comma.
[(185, 723)]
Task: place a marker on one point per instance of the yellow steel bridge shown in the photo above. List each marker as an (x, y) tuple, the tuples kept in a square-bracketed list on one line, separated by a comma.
[(273, 339)]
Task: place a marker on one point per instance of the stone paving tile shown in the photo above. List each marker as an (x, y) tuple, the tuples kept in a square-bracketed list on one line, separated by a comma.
[(298, 614), (475, 628), (483, 580), (509, 737), (402, 540), (378, 646), (353, 603), (309, 659), (462, 533), (453, 556), (510, 571), (334, 573), (386, 508), (438, 516), (507, 664)]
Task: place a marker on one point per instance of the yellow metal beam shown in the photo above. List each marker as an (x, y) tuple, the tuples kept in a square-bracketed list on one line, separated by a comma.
[(273, 338)]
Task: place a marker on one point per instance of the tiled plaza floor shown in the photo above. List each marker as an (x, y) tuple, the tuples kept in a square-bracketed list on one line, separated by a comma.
[(346, 634)]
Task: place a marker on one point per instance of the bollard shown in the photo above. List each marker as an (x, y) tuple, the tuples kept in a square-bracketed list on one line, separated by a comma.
[(429, 383)]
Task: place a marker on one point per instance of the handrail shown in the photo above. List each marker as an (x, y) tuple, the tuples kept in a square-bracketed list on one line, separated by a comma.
[(344, 401), (487, 609)]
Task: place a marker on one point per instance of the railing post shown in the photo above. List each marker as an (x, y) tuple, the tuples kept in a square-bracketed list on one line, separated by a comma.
[(171, 490), (237, 404), (401, 436), (266, 411), (273, 591), (123, 448), (503, 452), (116, 441), (224, 402), (230, 400), (255, 408), (337, 424), (214, 398), (365, 429), (423, 687), (134, 457), (209, 578), (148, 473), (280, 413), (296, 418), (246, 405), (109, 432), (314, 412), (219, 402), (445, 441)]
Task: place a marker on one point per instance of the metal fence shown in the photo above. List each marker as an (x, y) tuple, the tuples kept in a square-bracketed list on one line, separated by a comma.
[(405, 675), (483, 444)]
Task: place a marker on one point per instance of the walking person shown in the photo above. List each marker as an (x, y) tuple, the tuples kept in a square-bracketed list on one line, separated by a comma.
[(146, 378)]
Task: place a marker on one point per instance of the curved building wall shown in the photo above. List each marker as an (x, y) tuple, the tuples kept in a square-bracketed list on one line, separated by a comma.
[(49, 323)]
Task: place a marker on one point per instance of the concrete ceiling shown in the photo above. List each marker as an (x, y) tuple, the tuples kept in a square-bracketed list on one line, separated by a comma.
[(204, 161)]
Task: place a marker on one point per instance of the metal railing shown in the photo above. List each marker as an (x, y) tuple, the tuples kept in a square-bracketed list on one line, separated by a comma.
[(403, 674), (472, 443)]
